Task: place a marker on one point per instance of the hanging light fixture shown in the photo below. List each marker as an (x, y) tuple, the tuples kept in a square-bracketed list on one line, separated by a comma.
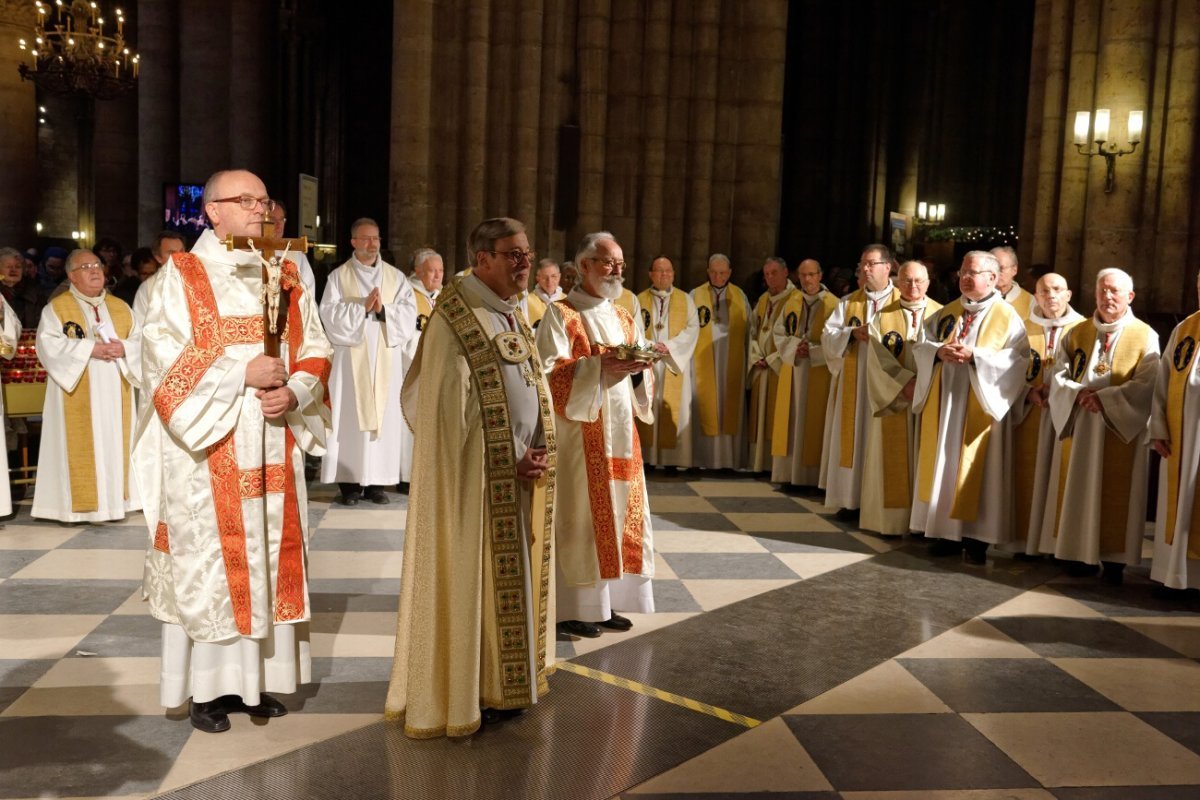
[(72, 54)]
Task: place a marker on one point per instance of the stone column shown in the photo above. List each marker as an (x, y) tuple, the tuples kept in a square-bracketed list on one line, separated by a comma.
[(253, 104), (205, 56), (412, 85), (473, 160), (18, 128), (157, 111), (592, 47), (697, 233)]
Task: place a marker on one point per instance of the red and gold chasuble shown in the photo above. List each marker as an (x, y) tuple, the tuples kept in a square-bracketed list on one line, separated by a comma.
[(616, 556), (211, 334)]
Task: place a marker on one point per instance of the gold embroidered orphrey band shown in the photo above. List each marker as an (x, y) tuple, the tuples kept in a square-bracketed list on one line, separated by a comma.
[(502, 494)]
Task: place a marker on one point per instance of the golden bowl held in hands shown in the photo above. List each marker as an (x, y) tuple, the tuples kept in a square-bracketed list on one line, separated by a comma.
[(631, 352)]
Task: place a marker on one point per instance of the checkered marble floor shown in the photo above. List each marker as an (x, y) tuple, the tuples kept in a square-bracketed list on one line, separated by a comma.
[(1066, 690)]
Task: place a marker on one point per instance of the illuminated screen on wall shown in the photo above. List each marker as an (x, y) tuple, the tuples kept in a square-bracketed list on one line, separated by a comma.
[(183, 209)]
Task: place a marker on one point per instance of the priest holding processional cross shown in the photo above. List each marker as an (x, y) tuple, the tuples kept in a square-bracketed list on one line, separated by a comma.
[(236, 363)]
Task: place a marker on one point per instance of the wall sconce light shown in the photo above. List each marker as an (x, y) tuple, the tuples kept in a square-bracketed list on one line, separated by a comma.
[(37, 226), (1083, 121), (931, 212)]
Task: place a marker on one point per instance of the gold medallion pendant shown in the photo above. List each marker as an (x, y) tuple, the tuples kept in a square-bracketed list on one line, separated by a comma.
[(1101, 368)]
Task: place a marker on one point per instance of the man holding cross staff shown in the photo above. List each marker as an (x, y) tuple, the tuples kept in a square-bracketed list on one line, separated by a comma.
[(236, 363)]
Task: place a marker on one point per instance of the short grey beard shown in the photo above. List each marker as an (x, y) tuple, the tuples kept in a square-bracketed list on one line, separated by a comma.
[(610, 287)]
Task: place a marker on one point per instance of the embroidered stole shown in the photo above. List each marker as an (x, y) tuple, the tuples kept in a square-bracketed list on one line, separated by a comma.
[(894, 320), (735, 366), (1177, 433), (816, 390), (77, 406), (502, 558), (424, 309), (1119, 457), (616, 553), (977, 426), (370, 389), (770, 383), (667, 418), (856, 314)]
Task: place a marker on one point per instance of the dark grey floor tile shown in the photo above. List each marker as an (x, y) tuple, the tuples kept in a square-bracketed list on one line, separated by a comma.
[(1057, 637), (1131, 599), (895, 752), (1182, 726), (333, 697), (63, 596), (352, 586), (12, 561), (87, 756), (351, 670), (727, 566), (1129, 793), (673, 596), (112, 537), (675, 488), (371, 540), (21, 673), (804, 542), (131, 635), (9, 695), (757, 505), (692, 521), (532, 756), (994, 685), (325, 602)]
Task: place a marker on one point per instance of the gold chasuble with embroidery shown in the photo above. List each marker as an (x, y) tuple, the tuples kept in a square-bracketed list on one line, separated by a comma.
[(474, 592), (1105, 456), (89, 414), (710, 393), (224, 489), (764, 381)]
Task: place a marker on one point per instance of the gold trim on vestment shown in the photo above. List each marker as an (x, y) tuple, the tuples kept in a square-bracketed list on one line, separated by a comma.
[(977, 426), (1180, 371), (501, 496), (77, 406), (1119, 457)]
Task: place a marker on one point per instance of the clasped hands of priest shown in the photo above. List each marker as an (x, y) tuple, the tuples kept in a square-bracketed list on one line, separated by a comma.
[(108, 351), (269, 376)]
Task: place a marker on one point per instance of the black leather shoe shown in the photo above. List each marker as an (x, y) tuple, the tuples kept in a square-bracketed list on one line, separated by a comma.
[(267, 707), (350, 494), (1113, 574), (616, 623), (490, 716), (846, 515), (375, 495), (944, 547), (975, 551), (1078, 569), (209, 717), (577, 627)]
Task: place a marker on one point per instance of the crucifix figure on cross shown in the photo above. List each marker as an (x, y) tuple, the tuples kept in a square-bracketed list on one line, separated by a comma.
[(274, 297)]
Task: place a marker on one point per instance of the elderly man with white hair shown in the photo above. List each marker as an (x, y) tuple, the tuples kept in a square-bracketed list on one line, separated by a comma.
[(1100, 400)]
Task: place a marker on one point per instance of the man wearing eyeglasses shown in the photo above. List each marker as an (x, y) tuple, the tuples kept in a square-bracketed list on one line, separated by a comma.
[(471, 641), (889, 462), (970, 372), (90, 347), (220, 463), (370, 315), (844, 342), (669, 318), (604, 539)]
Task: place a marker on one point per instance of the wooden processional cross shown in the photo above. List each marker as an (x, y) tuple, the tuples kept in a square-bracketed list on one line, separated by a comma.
[(275, 300)]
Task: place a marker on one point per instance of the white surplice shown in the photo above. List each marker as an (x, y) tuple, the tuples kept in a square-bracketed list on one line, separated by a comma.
[(843, 485), (810, 323), (1126, 412), (996, 378), (764, 380), (1172, 566), (368, 457), (225, 497), (425, 301), (679, 361), (66, 358), (584, 393), (10, 332), (723, 451)]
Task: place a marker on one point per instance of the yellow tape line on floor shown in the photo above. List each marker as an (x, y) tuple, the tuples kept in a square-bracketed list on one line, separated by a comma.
[(659, 694)]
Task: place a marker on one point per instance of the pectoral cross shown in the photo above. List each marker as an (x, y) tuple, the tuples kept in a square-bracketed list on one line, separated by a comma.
[(275, 301)]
